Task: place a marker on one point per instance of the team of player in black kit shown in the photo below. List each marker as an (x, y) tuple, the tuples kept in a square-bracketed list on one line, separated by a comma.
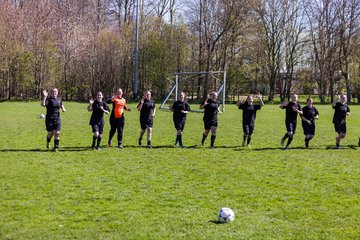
[(180, 109)]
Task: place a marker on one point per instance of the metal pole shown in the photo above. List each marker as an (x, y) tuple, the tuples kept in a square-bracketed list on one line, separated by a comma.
[(224, 91), (136, 53), (162, 105), (177, 87)]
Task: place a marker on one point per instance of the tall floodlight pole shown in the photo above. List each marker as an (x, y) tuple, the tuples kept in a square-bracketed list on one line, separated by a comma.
[(136, 52)]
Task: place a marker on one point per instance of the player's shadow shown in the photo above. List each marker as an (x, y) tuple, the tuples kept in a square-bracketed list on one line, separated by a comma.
[(145, 146), (61, 149), (75, 149), (175, 147), (24, 150), (198, 146), (240, 148), (332, 147), (235, 148), (292, 148)]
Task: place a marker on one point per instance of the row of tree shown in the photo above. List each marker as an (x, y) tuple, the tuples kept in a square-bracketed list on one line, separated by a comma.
[(271, 46)]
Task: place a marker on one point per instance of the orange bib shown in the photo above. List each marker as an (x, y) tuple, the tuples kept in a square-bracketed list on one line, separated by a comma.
[(120, 104)]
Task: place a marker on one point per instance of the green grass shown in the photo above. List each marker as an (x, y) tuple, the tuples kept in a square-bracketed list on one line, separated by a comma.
[(172, 193)]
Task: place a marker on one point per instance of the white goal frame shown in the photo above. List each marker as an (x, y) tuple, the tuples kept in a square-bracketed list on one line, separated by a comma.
[(175, 87)]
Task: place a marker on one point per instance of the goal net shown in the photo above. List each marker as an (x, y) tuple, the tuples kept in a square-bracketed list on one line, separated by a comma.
[(188, 82)]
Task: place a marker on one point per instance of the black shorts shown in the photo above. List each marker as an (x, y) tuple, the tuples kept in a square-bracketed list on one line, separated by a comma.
[(146, 123), (248, 129), (340, 127), (53, 124), (291, 127), (209, 124), (97, 128), (309, 129), (117, 122), (179, 124)]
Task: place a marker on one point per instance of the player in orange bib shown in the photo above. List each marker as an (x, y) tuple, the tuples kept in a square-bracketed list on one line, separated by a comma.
[(117, 119)]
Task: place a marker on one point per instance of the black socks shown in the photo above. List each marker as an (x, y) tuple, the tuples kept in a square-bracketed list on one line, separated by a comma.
[(213, 140), (98, 141), (93, 142), (56, 143), (203, 139), (179, 139), (289, 141), (248, 140)]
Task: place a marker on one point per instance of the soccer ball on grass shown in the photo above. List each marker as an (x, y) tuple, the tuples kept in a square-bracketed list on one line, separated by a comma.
[(42, 116), (226, 215)]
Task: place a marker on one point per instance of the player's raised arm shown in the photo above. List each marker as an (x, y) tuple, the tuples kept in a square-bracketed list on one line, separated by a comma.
[(336, 101), (240, 102), (261, 100), (141, 103), (43, 100), (91, 101), (284, 104), (203, 104)]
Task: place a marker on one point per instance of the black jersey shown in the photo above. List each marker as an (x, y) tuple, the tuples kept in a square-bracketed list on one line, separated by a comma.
[(211, 110), (291, 115), (97, 116), (53, 106), (179, 106), (249, 113), (309, 113), (341, 111), (147, 109)]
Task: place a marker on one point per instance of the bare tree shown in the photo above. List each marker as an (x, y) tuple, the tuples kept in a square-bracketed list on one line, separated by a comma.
[(355, 67), (293, 42), (161, 7), (121, 10), (322, 17), (214, 22), (348, 24), (273, 19)]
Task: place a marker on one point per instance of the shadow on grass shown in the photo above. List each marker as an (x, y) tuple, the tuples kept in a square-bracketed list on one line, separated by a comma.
[(25, 150), (175, 147), (216, 222), (144, 146), (75, 149), (61, 149), (353, 147), (235, 148), (332, 147)]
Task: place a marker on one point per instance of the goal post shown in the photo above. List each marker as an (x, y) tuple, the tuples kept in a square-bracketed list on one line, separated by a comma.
[(174, 92)]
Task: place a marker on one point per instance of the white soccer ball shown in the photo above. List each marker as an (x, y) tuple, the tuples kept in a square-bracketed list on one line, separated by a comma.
[(226, 215), (42, 116)]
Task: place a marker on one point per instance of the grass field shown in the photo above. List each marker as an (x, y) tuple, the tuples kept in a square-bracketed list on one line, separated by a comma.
[(172, 193)]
